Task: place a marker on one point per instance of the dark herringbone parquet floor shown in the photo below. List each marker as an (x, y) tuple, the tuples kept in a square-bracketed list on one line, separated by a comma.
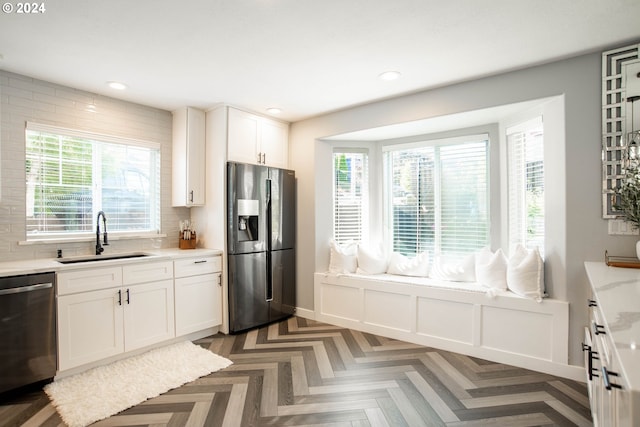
[(302, 373)]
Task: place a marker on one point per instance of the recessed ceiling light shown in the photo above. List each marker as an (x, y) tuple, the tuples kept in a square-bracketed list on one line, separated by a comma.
[(389, 75), (274, 110), (117, 85)]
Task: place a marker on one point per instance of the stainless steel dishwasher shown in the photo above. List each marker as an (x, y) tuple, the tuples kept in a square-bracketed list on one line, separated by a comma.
[(28, 347)]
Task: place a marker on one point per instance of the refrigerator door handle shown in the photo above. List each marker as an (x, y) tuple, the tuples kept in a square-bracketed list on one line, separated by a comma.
[(267, 204), (269, 284)]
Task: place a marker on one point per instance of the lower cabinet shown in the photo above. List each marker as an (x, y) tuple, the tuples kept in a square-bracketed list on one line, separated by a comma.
[(148, 314), (98, 324), (198, 290), (610, 402), (106, 311), (90, 327)]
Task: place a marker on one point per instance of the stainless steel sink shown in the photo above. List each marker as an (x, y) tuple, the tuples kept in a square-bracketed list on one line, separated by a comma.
[(92, 258)]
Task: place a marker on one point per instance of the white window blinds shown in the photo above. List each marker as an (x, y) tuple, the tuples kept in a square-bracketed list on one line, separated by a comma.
[(72, 175), (350, 196), (437, 196), (525, 149)]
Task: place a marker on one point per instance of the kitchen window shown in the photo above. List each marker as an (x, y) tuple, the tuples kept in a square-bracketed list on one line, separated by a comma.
[(525, 164), (350, 195), (436, 196), (72, 175)]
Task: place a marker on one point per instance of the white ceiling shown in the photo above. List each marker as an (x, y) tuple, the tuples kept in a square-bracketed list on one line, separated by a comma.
[(307, 57)]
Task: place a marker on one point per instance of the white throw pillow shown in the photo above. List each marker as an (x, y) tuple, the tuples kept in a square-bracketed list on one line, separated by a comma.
[(525, 273), (343, 257), (371, 261), (404, 266), (491, 268), (454, 270)]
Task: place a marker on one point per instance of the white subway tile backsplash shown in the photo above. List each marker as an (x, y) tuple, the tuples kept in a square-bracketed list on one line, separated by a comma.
[(52, 99), (73, 94), (20, 82), (25, 99), (18, 93), (5, 247)]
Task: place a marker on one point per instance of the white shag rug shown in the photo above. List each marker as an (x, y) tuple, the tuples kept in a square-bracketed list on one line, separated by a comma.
[(100, 392)]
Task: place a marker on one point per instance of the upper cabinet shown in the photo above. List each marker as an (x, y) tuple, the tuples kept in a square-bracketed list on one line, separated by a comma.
[(257, 139), (188, 157)]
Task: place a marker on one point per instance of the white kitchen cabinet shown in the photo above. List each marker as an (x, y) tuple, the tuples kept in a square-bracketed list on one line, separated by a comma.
[(148, 314), (90, 327), (133, 309), (257, 139), (198, 293), (188, 157)]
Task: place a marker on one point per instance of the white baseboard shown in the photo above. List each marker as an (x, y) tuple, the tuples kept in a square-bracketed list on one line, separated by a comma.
[(307, 314)]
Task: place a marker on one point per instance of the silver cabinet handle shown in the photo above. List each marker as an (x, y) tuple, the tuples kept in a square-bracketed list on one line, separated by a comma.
[(22, 289)]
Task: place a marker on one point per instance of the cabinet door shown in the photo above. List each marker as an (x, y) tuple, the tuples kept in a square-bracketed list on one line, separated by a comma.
[(242, 138), (198, 303), (274, 143), (588, 364), (188, 157), (195, 158), (90, 327), (148, 314)]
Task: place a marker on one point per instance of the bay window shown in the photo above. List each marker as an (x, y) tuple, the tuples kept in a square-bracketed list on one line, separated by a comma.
[(350, 195), (525, 163), (436, 196)]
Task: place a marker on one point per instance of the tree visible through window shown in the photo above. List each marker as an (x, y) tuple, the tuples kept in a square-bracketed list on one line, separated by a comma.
[(436, 196), (71, 177), (525, 152), (350, 185)]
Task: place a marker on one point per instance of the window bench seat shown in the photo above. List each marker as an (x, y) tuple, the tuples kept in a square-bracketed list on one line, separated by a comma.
[(460, 317)]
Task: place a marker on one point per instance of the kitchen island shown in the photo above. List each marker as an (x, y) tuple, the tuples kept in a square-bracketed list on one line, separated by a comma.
[(612, 345)]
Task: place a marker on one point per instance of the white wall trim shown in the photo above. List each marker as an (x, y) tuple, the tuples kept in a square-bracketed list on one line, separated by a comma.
[(505, 329)]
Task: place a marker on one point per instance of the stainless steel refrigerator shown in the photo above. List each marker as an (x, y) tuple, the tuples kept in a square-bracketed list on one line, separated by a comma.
[(260, 244)]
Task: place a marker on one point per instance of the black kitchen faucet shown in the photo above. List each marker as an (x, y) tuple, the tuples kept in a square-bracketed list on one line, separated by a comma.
[(99, 248)]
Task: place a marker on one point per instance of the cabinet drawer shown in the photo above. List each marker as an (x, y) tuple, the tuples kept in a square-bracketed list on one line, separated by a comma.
[(147, 272), (195, 266), (71, 282)]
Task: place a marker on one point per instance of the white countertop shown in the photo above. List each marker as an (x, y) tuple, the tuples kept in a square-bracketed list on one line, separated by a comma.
[(14, 268), (617, 293)]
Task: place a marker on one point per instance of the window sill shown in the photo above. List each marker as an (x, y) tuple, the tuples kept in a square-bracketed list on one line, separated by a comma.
[(75, 239)]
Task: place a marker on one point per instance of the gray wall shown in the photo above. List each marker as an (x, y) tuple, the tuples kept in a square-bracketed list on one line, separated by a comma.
[(25, 99), (575, 208)]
